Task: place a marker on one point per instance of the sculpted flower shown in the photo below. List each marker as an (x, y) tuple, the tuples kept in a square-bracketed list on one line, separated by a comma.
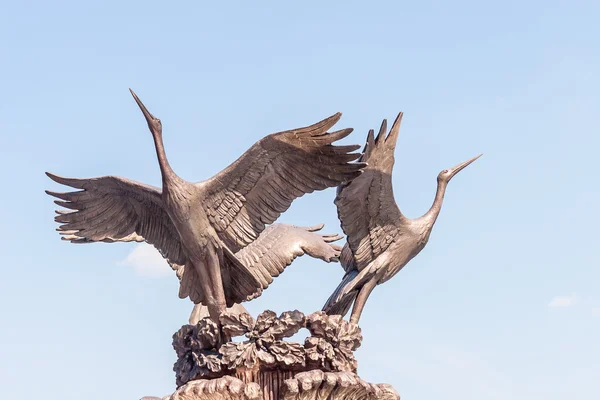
[(265, 340), (329, 348)]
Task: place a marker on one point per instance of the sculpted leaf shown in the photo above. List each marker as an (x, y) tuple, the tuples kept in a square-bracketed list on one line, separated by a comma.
[(333, 342), (264, 321), (334, 329), (323, 325), (288, 354), (197, 365), (343, 361), (236, 355), (319, 352), (209, 361), (287, 325), (264, 344), (266, 358), (235, 324), (349, 336)]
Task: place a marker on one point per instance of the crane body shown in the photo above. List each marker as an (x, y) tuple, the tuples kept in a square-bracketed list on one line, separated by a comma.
[(202, 226), (381, 240)]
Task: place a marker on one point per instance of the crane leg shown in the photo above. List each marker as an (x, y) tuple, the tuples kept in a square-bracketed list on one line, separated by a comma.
[(217, 304), (361, 299), (209, 272)]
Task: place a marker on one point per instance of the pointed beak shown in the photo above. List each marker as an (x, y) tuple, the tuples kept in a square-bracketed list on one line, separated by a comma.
[(455, 170), (149, 117)]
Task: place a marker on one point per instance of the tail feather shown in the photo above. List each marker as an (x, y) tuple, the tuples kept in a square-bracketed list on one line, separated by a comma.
[(189, 285), (241, 284), (343, 306), (341, 300)]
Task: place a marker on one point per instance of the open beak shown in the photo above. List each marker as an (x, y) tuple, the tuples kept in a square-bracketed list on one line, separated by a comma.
[(455, 170), (149, 117)]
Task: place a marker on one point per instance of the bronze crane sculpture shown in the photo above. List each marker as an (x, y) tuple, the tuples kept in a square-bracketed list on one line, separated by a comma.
[(202, 225), (381, 241)]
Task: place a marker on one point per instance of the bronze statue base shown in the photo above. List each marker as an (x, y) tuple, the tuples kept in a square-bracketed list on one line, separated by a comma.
[(265, 367), (273, 385)]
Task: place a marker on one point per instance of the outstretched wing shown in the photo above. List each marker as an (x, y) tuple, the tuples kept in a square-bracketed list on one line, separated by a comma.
[(366, 207), (113, 209), (253, 191), (278, 245)]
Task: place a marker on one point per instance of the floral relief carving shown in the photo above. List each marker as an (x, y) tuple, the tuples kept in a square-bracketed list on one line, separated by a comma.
[(264, 342), (332, 342), (201, 355)]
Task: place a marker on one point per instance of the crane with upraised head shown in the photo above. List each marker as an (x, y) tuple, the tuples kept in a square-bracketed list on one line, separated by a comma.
[(203, 225), (380, 239)]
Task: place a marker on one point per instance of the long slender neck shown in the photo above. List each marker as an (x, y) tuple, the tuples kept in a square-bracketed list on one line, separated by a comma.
[(434, 211), (168, 175)]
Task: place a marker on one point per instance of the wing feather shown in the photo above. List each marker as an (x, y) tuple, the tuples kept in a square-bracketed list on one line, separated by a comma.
[(366, 207), (278, 246), (113, 209), (253, 191)]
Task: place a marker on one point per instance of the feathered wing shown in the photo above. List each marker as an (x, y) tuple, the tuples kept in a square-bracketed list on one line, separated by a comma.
[(279, 245), (253, 191), (369, 217), (113, 209), (366, 207)]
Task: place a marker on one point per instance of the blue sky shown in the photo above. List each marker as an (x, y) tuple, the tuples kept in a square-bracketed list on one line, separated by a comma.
[(504, 302)]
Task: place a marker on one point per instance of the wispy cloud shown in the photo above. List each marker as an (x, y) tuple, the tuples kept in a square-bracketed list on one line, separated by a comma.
[(147, 261), (564, 301)]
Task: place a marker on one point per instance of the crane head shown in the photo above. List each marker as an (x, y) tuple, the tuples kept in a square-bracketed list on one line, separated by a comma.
[(448, 174), (153, 123)]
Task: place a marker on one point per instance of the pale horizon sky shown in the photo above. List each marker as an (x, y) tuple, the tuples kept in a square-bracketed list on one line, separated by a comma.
[(503, 303)]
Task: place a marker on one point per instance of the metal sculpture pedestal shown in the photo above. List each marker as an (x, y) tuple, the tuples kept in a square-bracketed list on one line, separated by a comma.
[(266, 367), (310, 385)]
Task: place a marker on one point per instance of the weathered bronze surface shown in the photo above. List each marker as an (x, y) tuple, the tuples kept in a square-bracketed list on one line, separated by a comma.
[(310, 385), (381, 241), (220, 238), (203, 225), (203, 355), (267, 366)]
